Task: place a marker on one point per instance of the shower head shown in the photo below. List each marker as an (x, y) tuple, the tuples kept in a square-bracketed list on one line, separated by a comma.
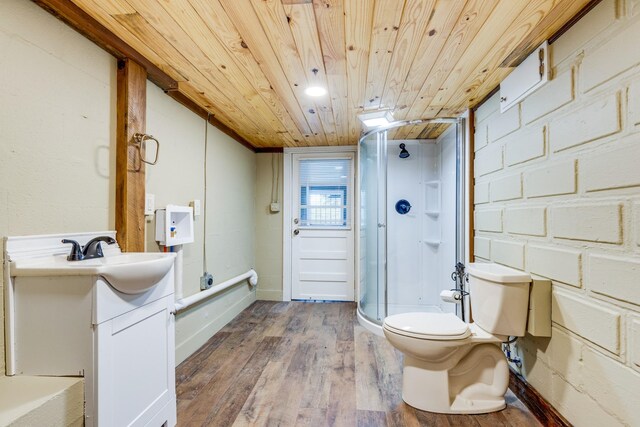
[(403, 151)]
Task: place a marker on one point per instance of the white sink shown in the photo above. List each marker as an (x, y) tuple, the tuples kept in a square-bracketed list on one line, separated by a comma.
[(130, 272), (104, 318)]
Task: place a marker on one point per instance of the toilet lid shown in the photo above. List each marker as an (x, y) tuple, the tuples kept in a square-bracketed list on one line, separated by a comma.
[(437, 326)]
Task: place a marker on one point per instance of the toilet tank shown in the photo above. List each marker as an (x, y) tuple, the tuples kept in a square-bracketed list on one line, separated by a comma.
[(499, 298)]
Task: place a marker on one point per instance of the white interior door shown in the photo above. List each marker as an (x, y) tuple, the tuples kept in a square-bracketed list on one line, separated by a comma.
[(322, 232)]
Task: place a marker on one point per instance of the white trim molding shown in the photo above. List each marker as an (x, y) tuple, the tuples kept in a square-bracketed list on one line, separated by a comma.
[(287, 226), (329, 150)]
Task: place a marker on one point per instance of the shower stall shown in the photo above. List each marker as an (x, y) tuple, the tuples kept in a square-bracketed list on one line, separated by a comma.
[(411, 219)]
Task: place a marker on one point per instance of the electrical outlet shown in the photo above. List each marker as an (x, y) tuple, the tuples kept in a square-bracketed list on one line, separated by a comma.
[(274, 207), (206, 281), (195, 204)]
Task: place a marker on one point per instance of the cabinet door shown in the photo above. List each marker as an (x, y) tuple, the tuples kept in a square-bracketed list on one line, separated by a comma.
[(136, 367), (526, 78)]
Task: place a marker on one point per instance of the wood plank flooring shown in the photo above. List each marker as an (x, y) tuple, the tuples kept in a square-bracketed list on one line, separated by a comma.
[(306, 364)]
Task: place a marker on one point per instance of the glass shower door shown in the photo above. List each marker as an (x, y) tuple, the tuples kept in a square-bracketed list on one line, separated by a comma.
[(406, 258), (372, 226)]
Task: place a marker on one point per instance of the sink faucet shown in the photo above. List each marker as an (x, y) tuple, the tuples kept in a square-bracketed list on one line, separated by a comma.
[(92, 249)]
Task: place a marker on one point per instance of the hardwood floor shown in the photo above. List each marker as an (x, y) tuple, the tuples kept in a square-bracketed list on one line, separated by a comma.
[(306, 364)]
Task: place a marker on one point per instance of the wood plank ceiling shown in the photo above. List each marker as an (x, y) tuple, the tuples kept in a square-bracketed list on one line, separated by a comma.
[(248, 62)]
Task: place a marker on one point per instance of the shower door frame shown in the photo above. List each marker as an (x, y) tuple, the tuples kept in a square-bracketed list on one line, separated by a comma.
[(462, 207)]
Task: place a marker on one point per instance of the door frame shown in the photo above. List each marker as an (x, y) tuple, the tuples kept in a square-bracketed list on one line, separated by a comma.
[(287, 224)]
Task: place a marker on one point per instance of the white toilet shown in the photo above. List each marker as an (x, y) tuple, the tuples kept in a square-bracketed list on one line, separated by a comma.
[(458, 368)]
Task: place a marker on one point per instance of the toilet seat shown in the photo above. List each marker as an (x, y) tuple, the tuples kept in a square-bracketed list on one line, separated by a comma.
[(428, 326)]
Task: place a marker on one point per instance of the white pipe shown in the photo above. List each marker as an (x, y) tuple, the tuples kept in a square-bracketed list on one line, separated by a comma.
[(9, 315), (177, 266), (184, 303)]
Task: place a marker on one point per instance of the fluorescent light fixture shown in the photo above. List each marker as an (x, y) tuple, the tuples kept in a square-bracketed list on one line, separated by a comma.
[(315, 91), (376, 118)]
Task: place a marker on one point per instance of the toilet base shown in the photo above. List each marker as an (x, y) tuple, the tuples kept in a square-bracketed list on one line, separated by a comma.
[(476, 385), (464, 407)]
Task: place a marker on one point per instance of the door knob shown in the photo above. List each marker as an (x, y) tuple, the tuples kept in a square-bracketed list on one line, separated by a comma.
[(296, 232)]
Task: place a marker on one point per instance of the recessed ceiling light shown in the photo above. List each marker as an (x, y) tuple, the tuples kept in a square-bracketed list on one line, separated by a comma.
[(315, 91), (376, 118)]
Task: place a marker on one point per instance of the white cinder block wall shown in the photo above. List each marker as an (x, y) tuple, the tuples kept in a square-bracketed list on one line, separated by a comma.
[(558, 195), (268, 225), (229, 215), (57, 161), (57, 130)]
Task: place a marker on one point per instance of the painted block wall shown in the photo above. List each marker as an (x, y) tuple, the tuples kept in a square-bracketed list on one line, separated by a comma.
[(57, 160), (269, 226), (230, 236), (558, 195), (230, 176), (57, 129)]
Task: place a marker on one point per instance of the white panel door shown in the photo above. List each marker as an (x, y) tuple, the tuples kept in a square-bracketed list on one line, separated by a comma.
[(322, 252)]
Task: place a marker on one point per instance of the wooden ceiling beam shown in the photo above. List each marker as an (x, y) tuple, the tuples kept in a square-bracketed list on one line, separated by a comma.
[(87, 26)]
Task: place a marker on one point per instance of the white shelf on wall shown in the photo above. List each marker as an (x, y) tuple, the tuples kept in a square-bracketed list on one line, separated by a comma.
[(432, 198), (432, 236)]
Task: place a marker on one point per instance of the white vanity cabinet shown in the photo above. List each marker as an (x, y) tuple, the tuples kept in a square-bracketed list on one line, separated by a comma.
[(122, 344)]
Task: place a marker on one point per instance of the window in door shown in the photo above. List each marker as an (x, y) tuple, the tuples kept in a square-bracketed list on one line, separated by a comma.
[(324, 195)]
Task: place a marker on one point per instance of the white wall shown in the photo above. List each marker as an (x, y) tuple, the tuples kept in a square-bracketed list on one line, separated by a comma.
[(230, 235), (558, 195), (57, 160), (421, 247), (178, 178), (446, 145), (181, 135), (57, 128), (268, 227), (404, 232)]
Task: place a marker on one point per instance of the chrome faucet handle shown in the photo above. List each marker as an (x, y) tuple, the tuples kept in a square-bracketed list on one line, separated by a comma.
[(76, 251), (93, 249)]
